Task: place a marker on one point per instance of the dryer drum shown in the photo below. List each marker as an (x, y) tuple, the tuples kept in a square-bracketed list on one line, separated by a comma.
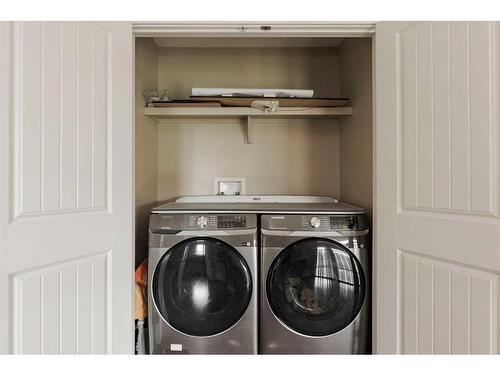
[(316, 287), (202, 286)]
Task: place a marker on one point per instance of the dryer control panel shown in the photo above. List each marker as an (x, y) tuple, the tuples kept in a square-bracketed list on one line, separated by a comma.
[(315, 222)]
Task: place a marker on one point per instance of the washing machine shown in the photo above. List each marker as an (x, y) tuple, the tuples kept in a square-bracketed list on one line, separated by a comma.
[(202, 283), (315, 283)]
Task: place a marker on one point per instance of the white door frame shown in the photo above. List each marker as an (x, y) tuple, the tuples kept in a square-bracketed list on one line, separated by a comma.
[(253, 29), (283, 29)]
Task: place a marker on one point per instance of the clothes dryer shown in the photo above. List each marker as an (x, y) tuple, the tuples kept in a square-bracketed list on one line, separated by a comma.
[(315, 282)]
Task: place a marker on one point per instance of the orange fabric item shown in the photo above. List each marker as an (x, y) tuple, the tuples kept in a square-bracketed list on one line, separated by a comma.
[(141, 284), (141, 274)]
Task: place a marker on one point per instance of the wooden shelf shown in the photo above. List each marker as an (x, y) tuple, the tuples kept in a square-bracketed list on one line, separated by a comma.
[(173, 112), (164, 114)]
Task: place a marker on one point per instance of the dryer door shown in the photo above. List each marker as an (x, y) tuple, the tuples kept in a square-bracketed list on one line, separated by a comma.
[(316, 287), (202, 286)]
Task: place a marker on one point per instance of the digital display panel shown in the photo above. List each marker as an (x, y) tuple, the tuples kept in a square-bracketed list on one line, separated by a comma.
[(349, 223), (231, 221)]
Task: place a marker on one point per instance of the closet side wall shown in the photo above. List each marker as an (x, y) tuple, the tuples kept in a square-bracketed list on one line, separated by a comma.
[(146, 142), (288, 155), (356, 156)]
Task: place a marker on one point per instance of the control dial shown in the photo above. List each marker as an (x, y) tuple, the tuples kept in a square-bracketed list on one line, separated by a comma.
[(202, 221), (315, 222)]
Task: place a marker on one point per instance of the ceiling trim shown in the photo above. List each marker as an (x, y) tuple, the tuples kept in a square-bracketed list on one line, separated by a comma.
[(253, 29), (248, 42)]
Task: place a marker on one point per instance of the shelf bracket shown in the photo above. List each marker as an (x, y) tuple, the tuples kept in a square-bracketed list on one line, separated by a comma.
[(248, 130)]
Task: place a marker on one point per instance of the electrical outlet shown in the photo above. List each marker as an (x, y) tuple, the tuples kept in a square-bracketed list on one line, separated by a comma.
[(229, 185)]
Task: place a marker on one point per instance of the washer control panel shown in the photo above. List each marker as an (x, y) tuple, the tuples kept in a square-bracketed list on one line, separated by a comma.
[(172, 223)]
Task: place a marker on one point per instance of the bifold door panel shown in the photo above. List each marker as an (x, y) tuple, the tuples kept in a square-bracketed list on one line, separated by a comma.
[(437, 227), (66, 224)]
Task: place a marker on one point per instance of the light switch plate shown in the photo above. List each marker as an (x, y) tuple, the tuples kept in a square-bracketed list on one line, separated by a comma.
[(229, 185)]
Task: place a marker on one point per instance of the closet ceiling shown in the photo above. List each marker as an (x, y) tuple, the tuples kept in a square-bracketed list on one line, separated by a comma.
[(249, 42)]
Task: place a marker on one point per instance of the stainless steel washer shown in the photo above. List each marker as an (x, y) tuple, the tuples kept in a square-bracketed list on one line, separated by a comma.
[(202, 283), (315, 283)]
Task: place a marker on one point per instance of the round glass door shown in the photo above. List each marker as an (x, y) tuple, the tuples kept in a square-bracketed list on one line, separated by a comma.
[(316, 287), (202, 286)]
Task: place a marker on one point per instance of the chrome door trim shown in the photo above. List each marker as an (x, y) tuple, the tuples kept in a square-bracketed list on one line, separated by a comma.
[(249, 254), (268, 256)]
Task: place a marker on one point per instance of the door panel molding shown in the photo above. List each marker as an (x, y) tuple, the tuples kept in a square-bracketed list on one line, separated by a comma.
[(447, 105), (66, 305), (446, 308), (61, 115)]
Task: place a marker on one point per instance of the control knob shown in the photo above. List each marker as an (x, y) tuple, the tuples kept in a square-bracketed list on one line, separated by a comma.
[(315, 222), (202, 221)]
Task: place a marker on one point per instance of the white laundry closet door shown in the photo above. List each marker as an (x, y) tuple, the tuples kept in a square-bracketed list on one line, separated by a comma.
[(437, 229), (66, 187)]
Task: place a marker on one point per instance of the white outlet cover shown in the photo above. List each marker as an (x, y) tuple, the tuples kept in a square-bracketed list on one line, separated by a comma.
[(229, 185)]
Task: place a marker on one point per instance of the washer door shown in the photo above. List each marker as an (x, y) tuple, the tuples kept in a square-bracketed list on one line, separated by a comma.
[(316, 287), (202, 286)]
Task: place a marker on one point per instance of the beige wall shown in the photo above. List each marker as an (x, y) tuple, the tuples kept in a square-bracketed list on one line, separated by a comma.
[(297, 158), (180, 69), (146, 142), (356, 158), (291, 156)]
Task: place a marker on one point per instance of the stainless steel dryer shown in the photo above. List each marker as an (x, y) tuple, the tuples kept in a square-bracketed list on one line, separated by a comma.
[(202, 283), (315, 283)]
